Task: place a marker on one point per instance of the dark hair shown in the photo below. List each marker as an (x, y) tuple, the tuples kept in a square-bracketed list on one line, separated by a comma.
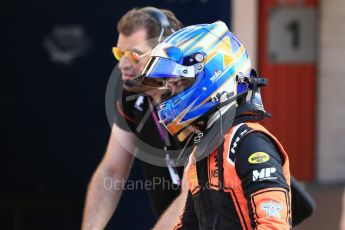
[(137, 19)]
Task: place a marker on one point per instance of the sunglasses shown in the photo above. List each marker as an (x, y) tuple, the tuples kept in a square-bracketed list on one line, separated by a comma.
[(163, 82), (133, 56)]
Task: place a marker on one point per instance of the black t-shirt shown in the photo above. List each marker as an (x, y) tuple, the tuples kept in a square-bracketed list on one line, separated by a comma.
[(136, 113)]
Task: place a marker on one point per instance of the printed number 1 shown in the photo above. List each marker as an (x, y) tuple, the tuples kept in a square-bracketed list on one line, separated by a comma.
[(294, 27)]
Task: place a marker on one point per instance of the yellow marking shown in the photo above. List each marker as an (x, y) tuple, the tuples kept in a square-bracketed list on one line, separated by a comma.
[(258, 157), (221, 41), (227, 59), (187, 40), (186, 44), (193, 177), (211, 56), (227, 53), (175, 127), (208, 34)]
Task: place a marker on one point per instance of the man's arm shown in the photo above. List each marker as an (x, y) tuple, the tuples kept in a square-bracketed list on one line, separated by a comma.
[(105, 188), (171, 215)]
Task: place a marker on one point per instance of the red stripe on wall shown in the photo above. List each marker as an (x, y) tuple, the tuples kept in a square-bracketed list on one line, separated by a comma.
[(290, 97)]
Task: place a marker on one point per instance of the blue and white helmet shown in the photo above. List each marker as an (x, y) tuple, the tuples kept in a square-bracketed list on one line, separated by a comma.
[(210, 55)]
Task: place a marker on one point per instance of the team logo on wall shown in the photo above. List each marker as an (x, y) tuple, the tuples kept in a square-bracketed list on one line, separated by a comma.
[(66, 43)]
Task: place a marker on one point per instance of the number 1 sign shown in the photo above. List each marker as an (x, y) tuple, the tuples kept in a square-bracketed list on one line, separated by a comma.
[(291, 35)]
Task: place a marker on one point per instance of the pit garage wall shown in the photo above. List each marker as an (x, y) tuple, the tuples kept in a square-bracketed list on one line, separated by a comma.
[(325, 140), (331, 92), (244, 24), (290, 96), (287, 60)]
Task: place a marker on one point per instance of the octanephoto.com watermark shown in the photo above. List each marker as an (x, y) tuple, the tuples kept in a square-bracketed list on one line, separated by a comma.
[(156, 182)]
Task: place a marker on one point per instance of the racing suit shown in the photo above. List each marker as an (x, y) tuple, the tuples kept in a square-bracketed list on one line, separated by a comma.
[(243, 184)]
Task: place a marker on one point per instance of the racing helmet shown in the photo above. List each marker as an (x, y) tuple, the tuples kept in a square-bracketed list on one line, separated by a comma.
[(217, 63)]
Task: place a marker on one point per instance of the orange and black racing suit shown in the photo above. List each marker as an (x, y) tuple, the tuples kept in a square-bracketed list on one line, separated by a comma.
[(244, 184)]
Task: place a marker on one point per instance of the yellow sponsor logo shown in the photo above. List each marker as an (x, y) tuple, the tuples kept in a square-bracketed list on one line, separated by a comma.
[(258, 157)]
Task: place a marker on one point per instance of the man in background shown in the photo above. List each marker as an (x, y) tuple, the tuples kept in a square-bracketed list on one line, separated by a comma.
[(137, 29)]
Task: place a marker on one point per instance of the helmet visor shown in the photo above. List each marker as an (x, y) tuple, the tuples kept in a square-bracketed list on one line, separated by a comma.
[(158, 67)]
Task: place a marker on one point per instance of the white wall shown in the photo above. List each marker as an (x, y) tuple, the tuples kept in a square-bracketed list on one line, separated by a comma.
[(331, 92), (244, 21)]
